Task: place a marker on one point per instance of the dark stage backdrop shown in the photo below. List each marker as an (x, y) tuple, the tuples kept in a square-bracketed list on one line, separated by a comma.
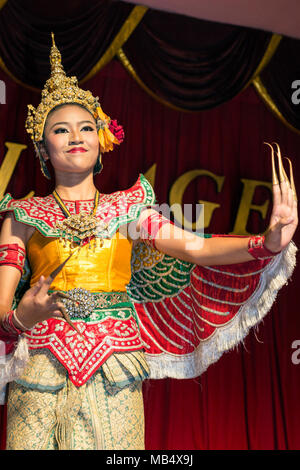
[(249, 399)]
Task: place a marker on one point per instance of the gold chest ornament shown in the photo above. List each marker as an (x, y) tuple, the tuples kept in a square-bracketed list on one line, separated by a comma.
[(79, 228)]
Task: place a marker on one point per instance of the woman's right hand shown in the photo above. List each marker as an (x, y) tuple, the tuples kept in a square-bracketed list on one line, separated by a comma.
[(37, 305)]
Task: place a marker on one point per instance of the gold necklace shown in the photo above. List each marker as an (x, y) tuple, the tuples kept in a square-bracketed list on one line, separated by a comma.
[(77, 228)]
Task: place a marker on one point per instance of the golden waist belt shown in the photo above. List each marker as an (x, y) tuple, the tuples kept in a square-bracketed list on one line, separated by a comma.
[(84, 304)]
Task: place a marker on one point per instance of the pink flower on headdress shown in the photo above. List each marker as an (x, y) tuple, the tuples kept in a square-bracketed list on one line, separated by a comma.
[(116, 130)]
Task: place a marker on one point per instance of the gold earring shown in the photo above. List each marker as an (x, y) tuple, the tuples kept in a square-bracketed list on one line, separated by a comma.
[(44, 168), (98, 167)]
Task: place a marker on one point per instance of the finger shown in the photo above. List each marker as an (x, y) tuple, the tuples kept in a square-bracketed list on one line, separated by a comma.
[(36, 287), (290, 198), (275, 180), (62, 295), (58, 310), (55, 297), (295, 213), (53, 304), (283, 179), (276, 195), (57, 314), (45, 286), (285, 190)]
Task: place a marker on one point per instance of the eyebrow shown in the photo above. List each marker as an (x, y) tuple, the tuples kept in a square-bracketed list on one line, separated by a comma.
[(66, 123)]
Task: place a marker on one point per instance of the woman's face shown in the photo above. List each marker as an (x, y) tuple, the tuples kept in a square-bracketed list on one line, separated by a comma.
[(71, 139)]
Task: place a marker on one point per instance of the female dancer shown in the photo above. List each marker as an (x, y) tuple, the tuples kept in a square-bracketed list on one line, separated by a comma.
[(75, 335)]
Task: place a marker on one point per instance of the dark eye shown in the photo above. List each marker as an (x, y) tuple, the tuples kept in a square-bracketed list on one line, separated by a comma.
[(87, 128), (60, 130)]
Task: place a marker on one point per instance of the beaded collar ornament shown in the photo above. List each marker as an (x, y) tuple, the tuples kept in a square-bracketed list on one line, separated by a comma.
[(79, 228), (60, 89)]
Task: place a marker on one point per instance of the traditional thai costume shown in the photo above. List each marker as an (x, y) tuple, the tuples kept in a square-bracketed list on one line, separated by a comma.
[(138, 313)]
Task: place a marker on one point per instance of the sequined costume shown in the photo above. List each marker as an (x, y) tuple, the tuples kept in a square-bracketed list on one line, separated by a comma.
[(150, 315)]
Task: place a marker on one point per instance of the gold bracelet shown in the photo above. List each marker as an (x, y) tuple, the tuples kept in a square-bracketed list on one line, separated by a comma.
[(22, 327)]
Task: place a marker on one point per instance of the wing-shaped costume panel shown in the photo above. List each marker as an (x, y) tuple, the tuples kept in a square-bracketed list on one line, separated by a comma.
[(190, 315)]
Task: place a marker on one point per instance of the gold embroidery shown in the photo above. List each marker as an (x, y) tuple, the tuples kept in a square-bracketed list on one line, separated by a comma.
[(84, 418)]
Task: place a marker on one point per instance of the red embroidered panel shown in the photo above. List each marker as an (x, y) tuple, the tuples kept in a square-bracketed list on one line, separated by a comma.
[(83, 355)]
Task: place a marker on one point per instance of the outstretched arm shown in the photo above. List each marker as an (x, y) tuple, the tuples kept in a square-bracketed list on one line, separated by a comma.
[(184, 245)]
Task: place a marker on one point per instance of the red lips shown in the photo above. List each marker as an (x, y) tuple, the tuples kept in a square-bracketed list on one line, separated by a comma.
[(77, 149)]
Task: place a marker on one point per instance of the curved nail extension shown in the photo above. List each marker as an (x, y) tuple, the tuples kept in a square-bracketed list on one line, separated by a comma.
[(60, 267), (282, 174), (274, 174), (292, 182)]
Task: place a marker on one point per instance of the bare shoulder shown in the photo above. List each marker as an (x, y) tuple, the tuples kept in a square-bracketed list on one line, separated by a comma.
[(13, 231)]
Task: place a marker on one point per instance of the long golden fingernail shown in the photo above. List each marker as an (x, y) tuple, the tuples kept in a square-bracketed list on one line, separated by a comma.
[(274, 174), (292, 182), (60, 267), (282, 174), (69, 321)]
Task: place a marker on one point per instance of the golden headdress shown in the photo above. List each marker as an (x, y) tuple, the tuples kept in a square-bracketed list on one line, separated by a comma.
[(60, 89)]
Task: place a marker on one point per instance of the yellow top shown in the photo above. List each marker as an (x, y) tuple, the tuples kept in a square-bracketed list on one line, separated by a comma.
[(99, 268)]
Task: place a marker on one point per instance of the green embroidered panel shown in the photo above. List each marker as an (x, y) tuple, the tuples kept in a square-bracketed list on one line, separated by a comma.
[(157, 277)]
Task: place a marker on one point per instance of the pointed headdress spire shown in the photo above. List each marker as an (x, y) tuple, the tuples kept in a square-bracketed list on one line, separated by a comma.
[(59, 89)]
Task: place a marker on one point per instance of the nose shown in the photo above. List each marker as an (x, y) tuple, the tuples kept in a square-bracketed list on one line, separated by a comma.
[(75, 137)]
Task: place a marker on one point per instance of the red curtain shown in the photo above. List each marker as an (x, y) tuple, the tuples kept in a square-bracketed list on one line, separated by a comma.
[(188, 63), (249, 399)]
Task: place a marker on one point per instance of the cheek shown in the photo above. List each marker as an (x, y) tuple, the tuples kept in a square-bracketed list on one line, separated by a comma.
[(56, 142), (93, 140)]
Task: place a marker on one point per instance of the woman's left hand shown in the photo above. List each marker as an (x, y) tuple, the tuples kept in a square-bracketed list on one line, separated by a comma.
[(284, 218)]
